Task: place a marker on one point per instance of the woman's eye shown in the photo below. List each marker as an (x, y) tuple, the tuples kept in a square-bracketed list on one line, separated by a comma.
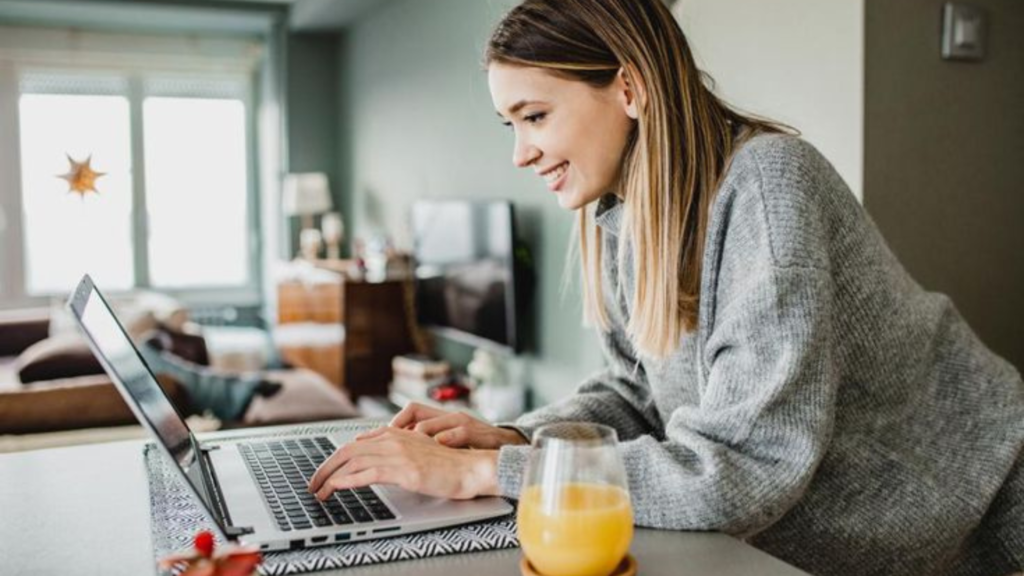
[(534, 118)]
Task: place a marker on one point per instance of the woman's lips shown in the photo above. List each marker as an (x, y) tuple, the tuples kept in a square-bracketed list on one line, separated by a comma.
[(555, 178)]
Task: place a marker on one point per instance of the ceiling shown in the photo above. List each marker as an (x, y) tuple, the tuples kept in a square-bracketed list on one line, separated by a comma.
[(231, 16)]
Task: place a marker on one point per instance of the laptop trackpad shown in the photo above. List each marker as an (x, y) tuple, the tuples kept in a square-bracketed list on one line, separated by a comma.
[(411, 506)]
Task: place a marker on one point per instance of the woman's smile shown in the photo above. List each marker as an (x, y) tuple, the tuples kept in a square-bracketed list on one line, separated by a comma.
[(555, 177)]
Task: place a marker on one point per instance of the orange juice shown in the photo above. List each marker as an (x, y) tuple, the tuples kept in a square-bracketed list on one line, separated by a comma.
[(575, 529)]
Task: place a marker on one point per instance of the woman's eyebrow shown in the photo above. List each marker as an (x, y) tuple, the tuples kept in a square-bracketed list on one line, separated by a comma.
[(519, 106)]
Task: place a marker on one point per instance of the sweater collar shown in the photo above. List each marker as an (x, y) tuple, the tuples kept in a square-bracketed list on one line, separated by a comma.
[(609, 213)]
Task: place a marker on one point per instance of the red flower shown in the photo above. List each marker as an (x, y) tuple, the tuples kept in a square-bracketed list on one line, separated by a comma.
[(201, 561), (204, 543)]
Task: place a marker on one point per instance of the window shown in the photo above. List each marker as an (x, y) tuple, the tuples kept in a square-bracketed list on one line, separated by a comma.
[(65, 234), (196, 190), (174, 204)]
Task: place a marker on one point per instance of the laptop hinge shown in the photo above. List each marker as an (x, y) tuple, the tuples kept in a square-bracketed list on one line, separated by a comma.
[(217, 499)]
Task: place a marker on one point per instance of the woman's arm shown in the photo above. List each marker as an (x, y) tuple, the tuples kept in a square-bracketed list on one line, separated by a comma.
[(742, 457)]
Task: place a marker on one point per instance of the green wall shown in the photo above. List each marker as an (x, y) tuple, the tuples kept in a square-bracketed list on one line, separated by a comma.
[(416, 121), (311, 87)]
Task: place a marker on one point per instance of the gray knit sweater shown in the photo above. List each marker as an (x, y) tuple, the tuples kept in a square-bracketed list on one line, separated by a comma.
[(828, 409)]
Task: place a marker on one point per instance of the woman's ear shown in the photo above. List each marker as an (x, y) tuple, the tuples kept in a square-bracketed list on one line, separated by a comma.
[(634, 95)]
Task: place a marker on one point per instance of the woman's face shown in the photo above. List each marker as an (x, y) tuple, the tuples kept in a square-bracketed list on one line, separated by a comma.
[(571, 134)]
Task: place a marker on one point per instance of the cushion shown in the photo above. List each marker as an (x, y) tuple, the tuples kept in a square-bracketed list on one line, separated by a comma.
[(55, 358), (305, 396), (189, 347)]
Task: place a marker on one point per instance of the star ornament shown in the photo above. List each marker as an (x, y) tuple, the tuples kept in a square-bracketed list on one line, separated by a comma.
[(81, 177)]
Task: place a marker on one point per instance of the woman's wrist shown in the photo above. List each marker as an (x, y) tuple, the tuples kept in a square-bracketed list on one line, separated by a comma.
[(511, 435), (484, 472)]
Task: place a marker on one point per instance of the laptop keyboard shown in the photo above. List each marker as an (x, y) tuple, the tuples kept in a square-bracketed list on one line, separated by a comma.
[(282, 470)]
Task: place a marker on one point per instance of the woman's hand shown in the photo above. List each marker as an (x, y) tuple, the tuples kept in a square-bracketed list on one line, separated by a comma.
[(453, 429), (411, 460)]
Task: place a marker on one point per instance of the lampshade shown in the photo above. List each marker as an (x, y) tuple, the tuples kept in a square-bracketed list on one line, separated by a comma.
[(306, 194)]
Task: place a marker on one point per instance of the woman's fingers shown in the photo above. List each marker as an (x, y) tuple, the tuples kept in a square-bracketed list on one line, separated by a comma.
[(371, 433), (353, 467), (361, 478), (333, 462), (413, 413), (457, 437), (441, 423), (411, 460), (376, 445)]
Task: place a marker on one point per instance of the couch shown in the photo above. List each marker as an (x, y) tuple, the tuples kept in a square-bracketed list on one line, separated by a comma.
[(65, 393)]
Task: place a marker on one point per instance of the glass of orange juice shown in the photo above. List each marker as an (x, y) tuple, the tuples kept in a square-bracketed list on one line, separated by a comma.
[(575, 517)]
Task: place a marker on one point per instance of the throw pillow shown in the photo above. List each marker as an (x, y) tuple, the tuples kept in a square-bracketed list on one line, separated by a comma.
[(57, 357)]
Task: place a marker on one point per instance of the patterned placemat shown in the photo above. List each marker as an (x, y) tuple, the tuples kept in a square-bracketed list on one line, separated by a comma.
[(176, 517)]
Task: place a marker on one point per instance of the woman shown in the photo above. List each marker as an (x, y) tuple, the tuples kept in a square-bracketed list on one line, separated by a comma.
[(773, 371)]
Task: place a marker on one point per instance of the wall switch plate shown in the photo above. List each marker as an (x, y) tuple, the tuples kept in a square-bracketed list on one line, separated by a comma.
[(964, 29)]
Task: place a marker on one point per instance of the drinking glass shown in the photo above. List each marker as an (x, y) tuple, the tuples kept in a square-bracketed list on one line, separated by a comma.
[(575, 516)]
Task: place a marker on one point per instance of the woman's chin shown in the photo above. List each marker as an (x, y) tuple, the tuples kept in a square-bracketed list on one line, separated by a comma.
[(568, 200), (574, 200)]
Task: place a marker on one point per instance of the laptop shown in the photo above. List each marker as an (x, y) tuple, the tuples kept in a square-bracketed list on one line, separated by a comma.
[(255, 489)]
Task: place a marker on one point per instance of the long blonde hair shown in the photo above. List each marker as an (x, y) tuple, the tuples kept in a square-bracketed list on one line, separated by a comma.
[(673, 161)]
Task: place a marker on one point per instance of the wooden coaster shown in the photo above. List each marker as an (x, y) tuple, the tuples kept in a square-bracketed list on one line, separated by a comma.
[(627, 567)]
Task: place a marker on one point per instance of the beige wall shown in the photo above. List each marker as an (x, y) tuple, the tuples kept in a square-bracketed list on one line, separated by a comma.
[(797, 61), (944, 163)]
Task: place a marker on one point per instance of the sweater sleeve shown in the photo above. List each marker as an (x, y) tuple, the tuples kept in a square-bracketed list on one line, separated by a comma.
[(742, 457)]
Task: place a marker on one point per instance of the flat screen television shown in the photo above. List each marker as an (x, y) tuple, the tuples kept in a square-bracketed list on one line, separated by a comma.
[(466, 273)]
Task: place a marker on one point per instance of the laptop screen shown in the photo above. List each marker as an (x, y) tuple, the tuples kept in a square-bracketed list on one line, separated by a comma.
[(122, 358), (134, 380)]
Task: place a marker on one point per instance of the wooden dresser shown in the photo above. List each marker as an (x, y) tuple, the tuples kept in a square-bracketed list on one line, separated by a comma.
[(354, 329)]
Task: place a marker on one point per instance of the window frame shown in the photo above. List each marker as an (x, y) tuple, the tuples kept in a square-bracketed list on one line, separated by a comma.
[(13, 292)]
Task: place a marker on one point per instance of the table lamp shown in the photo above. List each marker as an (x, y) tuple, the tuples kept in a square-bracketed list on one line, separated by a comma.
[(306, 195), (334, 230)]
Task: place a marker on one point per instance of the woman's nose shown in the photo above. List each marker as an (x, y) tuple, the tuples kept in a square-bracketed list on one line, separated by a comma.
[(524, 153)]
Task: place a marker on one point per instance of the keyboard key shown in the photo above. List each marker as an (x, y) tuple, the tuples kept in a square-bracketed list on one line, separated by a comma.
[(360, 515), (336, 511), (282, 470), (381, 513), (342, 519)]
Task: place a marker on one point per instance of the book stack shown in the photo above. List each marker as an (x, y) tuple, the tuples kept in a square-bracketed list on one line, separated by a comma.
[(415, 375)]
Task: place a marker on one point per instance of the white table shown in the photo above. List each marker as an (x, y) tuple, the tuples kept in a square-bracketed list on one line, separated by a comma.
[(84, 510)]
